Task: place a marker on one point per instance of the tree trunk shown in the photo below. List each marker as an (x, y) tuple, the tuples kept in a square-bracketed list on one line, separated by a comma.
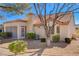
[(49, 36), (52, 31), (48, 41), (47, 32)]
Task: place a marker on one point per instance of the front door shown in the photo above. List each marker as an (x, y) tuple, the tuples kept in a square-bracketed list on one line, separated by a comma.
[(23, 31)]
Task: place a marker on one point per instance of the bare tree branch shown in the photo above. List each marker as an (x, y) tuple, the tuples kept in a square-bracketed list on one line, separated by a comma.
[(4, 7), (57, 7), (37, 11), (62, 7), (62, 15), (52, 9), (75, 9)]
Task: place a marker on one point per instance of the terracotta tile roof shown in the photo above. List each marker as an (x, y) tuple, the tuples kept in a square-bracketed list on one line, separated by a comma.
[(37, 21), (19, 20), (30, 14), (63, 23)]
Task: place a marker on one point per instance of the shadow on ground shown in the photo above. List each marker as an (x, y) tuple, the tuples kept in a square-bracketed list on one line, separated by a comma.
[(35, 47), (60, 44), (36, 44)]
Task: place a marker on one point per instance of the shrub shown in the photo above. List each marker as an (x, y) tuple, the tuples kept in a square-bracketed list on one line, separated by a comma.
[(68, 40), (6, 34), (56, 38), (17, 46), (43, 39), (3, 34), (31, 35), (9, 34)]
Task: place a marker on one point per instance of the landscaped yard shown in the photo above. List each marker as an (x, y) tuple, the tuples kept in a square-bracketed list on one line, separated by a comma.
[(36, 48)]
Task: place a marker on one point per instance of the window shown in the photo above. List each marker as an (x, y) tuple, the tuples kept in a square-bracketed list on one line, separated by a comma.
[(13, 30), (58, 29)]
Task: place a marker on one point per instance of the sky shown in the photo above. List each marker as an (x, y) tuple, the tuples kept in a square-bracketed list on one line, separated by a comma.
[(76, 18), (10, 17)]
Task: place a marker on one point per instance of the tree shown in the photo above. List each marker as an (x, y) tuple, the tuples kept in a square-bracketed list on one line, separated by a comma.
[(13, 9), (59, 10)]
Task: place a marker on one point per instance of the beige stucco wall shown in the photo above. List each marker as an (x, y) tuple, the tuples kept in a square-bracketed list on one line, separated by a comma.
[(71, 27), (30, 27), (40, 31), (63, 31), (67, 30)]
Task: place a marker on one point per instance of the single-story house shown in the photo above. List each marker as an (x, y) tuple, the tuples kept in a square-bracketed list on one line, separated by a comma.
[(65, 27)]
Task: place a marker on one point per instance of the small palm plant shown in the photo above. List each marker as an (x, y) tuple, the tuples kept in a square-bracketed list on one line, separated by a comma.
[(17, 46)]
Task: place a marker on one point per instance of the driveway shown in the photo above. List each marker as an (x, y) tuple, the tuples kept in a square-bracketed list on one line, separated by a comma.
[(36, 48)]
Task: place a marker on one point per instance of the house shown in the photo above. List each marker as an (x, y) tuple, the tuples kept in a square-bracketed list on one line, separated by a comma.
[(65, 27)]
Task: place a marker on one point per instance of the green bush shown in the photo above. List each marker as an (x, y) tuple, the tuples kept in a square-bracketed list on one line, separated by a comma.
[(6, 34), (56, 37), (31, 35), (2, 34), (17, 46)]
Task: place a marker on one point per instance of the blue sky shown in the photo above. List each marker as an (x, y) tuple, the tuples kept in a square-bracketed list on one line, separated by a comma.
[(76, 17), (14, 17)]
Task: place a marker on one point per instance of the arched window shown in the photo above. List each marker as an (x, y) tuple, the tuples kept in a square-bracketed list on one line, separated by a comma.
[(58, 29)]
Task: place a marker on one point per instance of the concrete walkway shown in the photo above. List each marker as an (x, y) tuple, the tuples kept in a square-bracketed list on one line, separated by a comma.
[(35, 48)]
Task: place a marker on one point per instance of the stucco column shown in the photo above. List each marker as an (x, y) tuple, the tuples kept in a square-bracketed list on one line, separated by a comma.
[(18, 32), (4, 28)]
